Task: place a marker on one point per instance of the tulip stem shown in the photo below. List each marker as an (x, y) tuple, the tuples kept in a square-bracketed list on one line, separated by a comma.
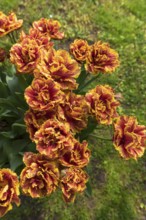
[(90, 81), (82, 77), (14, 39), (10, 37), (105, 139)]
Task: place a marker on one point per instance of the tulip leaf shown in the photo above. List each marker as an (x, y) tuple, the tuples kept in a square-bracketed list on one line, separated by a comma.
[(12, 83), (82, 76), (31, 147), (7, 134), (19, 144), (16, 83), (15, 161), (7, 104), (4, 92), (92, 124), (18, 129), (3, 157), (5, 113), (88, 189), (11, 152)]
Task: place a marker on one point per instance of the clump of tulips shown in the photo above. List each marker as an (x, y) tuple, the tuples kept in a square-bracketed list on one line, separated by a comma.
[(60, 109)]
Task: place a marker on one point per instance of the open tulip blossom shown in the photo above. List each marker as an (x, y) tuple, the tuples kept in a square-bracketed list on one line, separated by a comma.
[(55, 109)]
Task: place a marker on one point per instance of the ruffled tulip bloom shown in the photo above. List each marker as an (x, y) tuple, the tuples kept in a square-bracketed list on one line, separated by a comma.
[(40, 177), (43, 94), (41, 39), (78, 157), (25, 55), (101, 58), (60, 66), (9, 190), (103, 104), (129, 137), (49, 27), (73, 181), (34, 119), (79, 49), (53, 139), (9, 23), (75, 112)]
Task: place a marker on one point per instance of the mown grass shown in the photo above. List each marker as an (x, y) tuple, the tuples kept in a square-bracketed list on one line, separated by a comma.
[(119, 191)]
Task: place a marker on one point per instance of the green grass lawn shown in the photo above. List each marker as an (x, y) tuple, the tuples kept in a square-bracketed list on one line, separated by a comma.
[(118, 186)]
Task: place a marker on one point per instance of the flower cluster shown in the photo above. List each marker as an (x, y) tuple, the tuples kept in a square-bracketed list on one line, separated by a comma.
[(55, 113), (60, 110), (98, 57)]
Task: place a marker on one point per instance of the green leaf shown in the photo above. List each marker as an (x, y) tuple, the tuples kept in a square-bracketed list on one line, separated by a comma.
[(20, 144), (18, 129), (88, 189), (92, 124), (3, 155), (11, 151), (82, 76), (16, 84), (7, 134), (4, 92), (20, 101), (14, 104), (5, 113), (12, 82), (7, 104), (2, 74), (31, 147), (24, 80), (3, 158), (10, 69), (15, 161)]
